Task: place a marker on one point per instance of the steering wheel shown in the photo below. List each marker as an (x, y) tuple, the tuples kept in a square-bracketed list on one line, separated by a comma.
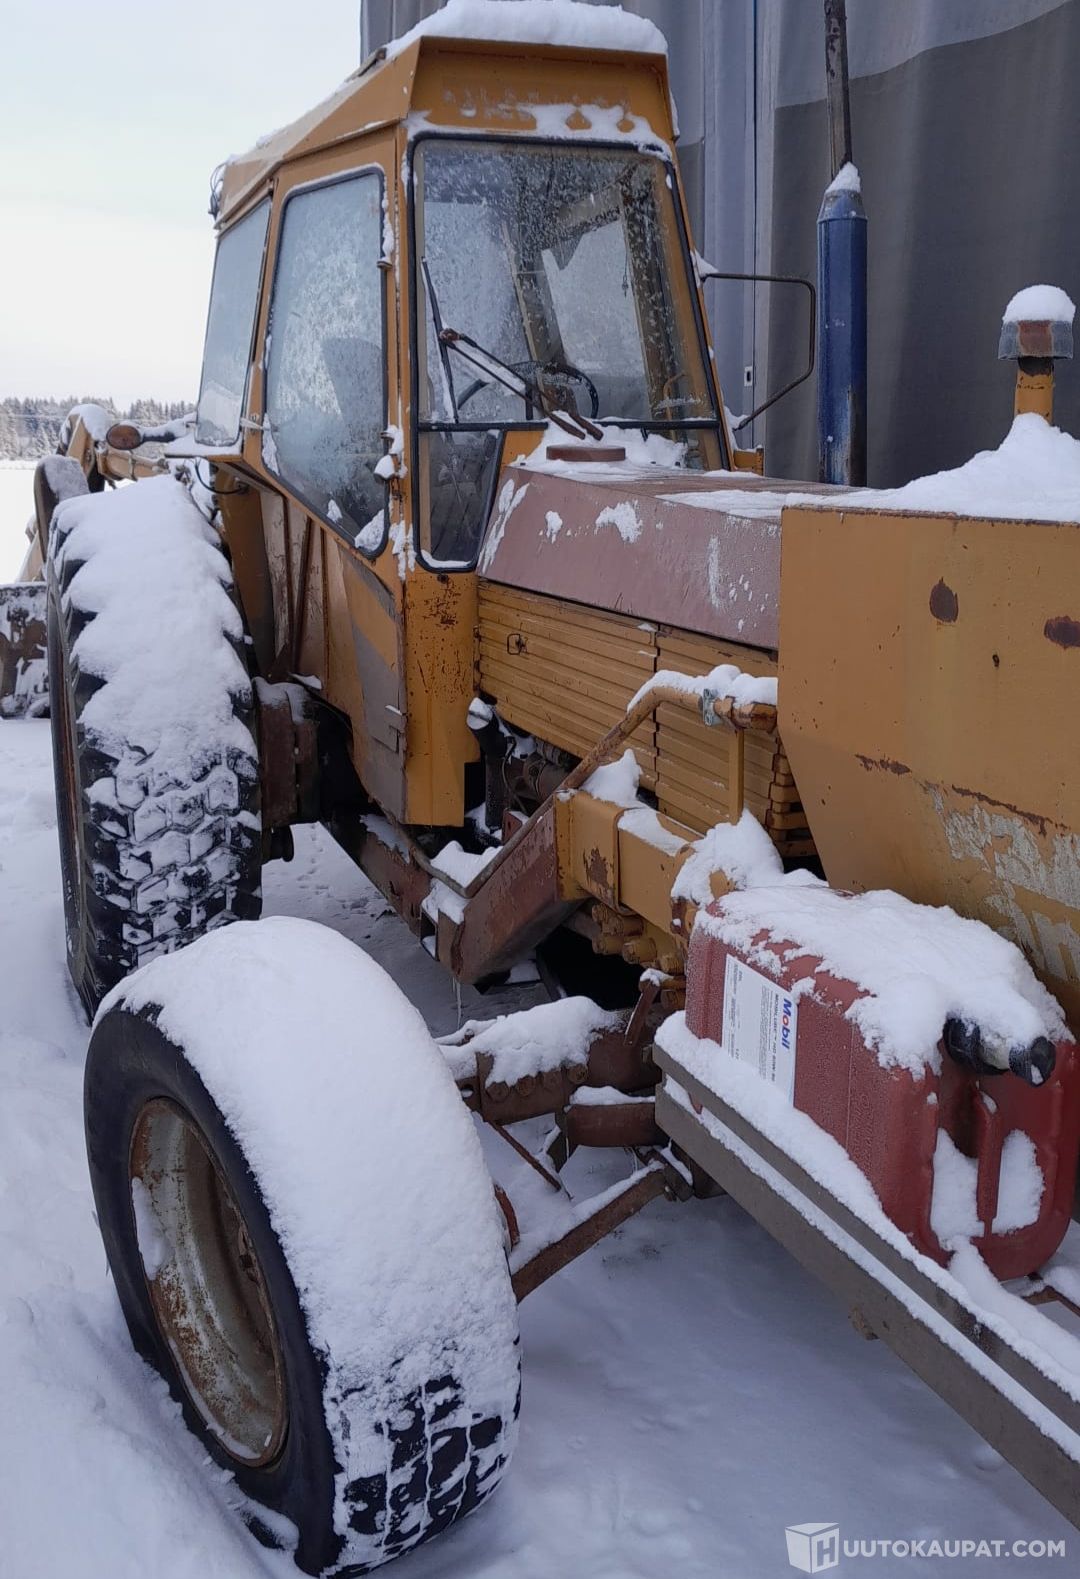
[(528, 370), (474, 389)]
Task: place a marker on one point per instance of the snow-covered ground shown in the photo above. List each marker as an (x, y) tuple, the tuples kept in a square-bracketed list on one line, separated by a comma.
[(688, 1391), (16, 508)]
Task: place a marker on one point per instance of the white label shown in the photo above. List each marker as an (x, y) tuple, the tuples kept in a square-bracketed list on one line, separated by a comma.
[(760, 1024)]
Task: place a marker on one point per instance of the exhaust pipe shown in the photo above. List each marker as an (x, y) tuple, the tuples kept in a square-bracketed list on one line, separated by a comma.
[(841, 248)]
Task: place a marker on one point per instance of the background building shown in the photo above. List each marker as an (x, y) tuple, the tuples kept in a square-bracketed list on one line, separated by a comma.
[(964, 114)]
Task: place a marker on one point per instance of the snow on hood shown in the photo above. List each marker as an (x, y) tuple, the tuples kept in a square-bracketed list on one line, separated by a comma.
[(642, 450), (564, 22), (1033, 475), (742, 852)]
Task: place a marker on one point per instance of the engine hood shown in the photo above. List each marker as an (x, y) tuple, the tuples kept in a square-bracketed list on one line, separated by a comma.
[(698, 551)]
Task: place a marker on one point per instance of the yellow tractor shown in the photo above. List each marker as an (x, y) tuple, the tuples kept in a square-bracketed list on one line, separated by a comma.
[(460, 559)]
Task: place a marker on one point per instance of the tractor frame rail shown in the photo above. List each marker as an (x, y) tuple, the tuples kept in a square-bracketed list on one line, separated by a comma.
[(1030, 1417)]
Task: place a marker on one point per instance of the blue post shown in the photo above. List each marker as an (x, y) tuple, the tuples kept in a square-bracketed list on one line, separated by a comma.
[(841, 238)]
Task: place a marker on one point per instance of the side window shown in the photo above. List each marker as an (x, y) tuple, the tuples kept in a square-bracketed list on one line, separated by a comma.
[(234, 297), (325, 375)]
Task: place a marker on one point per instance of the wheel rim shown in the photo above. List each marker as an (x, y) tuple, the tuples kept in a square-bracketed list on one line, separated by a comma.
[(206, 1286)]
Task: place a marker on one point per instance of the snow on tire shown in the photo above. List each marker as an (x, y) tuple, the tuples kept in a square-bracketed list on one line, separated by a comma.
[(155, 761), (354, 1358)]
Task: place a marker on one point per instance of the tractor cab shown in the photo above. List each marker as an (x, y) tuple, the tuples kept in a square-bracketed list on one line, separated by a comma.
[(467, 244)]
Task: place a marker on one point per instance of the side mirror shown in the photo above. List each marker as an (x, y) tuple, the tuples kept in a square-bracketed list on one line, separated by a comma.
[(705, 271)]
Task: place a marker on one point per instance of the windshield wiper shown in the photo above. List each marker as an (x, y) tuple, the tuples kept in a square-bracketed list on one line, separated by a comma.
[(577, 426), (444, 354)]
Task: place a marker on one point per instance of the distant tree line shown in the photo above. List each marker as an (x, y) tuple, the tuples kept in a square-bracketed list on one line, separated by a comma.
[(30, 427)]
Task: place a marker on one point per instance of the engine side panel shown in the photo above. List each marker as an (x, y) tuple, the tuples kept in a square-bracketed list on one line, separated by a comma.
[(928, 666), (565, 673)]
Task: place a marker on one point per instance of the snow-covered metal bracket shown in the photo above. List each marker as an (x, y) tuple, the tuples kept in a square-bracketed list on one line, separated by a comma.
[(538, 1256), (24, 691), (719, 709)]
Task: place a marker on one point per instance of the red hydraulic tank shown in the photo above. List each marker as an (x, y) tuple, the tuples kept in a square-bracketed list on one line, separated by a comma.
[(887, 1118)]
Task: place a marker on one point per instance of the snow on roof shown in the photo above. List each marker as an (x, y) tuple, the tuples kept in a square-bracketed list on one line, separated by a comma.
[(1039, 302), (564, 22), (370, 97)]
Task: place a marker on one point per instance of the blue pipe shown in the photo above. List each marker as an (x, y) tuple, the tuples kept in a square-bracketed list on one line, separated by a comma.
[(841, 247)]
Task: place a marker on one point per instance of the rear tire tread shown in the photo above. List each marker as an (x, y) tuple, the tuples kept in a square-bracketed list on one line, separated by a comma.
[(152, 860)]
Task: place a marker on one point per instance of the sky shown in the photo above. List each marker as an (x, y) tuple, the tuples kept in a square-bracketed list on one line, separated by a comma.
[(111, 120)]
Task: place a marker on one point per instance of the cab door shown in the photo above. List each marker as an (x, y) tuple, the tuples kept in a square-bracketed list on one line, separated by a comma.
[(326, 383)]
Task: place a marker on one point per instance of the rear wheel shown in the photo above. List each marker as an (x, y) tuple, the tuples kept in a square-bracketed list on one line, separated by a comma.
[(304, 1237), (158, 826)]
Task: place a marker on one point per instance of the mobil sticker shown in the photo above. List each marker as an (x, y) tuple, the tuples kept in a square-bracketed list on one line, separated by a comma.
[(761, 1024)]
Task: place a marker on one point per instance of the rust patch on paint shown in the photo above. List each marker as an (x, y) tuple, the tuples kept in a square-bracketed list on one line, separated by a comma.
[(888, 764), (1033, 818), (596, 870), (1063, 630), (944, 604)]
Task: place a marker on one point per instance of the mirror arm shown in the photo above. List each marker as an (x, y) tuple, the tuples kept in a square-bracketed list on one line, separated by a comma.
[(707, 272)]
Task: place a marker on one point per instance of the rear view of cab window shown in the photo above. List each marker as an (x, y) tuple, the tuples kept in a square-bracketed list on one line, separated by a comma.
[(230, 326)]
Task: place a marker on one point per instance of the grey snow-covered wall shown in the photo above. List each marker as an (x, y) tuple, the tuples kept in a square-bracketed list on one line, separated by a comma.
[(965, 118)]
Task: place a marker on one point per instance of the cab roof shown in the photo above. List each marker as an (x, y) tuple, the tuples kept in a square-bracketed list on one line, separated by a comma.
[(452, 82)]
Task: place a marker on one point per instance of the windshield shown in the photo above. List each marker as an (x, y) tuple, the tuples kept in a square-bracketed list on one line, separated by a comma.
[(564, 262)]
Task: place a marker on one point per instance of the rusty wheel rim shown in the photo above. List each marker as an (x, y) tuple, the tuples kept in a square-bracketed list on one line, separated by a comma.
[(206, 1286)]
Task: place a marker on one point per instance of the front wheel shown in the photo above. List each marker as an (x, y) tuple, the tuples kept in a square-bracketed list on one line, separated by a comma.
[(304, 1237)]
